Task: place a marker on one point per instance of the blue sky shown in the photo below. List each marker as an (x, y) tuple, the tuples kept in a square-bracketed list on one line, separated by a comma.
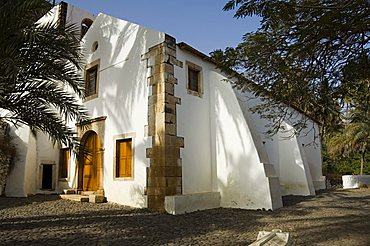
[(200, 23)]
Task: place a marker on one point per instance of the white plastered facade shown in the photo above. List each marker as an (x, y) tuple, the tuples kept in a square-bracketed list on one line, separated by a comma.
[(226, 160)]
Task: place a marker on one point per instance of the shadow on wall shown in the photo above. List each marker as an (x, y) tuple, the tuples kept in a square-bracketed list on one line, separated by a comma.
[(137, 195), (15, 179), (241, 178), (123, 82), (295, 177)]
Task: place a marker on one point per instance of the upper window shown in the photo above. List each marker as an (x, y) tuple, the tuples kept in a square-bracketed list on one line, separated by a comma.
[(92, 80), (124, 167), (63, 163), (194, 79), (85, 25), (193, 82)]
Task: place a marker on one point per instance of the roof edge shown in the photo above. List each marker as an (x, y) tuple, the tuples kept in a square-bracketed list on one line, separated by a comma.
[(185, 46)]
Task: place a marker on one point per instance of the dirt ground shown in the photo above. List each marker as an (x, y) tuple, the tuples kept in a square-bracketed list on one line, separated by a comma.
[(336, 217)]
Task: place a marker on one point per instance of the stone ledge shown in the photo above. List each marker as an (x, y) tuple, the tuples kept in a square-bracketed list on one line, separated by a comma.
[(355, 181), (180, 204)]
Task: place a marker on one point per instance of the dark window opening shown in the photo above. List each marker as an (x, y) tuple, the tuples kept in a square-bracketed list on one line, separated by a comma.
[(193, 83), (85, 25)]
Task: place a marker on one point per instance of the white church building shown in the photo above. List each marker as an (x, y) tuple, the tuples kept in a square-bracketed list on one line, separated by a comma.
[(167, 131)]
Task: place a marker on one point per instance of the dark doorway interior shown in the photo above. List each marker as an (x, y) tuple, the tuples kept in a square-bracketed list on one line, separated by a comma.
[(47, 177)]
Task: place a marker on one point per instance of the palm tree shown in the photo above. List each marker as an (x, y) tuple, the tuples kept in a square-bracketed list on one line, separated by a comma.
[(355, 138), (40, 82)]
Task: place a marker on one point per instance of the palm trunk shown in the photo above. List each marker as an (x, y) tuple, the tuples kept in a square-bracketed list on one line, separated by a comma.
[(362, 162)]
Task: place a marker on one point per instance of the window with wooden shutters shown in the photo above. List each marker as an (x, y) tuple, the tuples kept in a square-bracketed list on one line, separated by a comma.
[(63, 163), (92, 80), (124, 158)]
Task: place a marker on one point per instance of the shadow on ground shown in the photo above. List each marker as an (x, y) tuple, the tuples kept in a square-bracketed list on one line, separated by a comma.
[(331, 218)]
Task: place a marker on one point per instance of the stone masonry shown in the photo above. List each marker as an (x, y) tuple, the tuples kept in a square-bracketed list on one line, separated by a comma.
[(62, 14), (164, 176)]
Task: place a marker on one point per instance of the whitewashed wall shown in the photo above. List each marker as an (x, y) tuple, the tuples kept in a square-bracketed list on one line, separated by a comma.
[(295, 175), (47, 153), (297, 160), (75, 15), (193, 123), (123, 98), (220, 153), (18, 181), (312, 148)]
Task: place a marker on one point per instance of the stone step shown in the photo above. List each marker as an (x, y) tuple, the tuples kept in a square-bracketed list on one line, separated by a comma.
[(69, 191), (97, 198), (93, 198), (86, 193), (75, 197)]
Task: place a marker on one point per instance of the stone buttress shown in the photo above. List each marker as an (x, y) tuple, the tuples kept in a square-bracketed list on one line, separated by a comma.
[(164, 176)]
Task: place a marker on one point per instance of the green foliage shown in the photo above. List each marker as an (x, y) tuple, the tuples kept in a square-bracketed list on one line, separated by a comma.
[(338, 165), (354, 137), (39, 71), (301, 54)]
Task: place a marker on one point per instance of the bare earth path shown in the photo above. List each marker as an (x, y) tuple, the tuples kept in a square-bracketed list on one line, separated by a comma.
[(331, 218)]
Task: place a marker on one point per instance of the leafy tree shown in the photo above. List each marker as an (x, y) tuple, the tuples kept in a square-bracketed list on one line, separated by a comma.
[(299, 53), (39, 70)]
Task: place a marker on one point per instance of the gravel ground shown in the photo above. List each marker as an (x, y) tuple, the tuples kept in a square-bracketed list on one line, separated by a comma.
[(331, 218)]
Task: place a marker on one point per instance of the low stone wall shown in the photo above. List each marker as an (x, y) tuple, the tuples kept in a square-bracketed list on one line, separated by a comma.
[(180, 204), (355, 181)]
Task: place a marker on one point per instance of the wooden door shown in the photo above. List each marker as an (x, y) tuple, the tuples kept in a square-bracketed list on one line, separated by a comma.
[(91, 163)]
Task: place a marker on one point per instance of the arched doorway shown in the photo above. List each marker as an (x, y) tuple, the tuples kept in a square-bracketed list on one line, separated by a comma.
[(90, 163)]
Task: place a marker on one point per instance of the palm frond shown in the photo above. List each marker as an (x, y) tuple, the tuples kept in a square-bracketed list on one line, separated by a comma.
[(40, 78)]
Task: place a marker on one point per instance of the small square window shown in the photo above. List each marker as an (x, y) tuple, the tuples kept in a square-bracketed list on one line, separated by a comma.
[(124, 158), (194, 79), (64, 155)]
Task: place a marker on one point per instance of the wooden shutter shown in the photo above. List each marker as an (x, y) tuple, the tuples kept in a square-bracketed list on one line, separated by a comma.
[(91, 78), (124, 158), (63, 163)]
